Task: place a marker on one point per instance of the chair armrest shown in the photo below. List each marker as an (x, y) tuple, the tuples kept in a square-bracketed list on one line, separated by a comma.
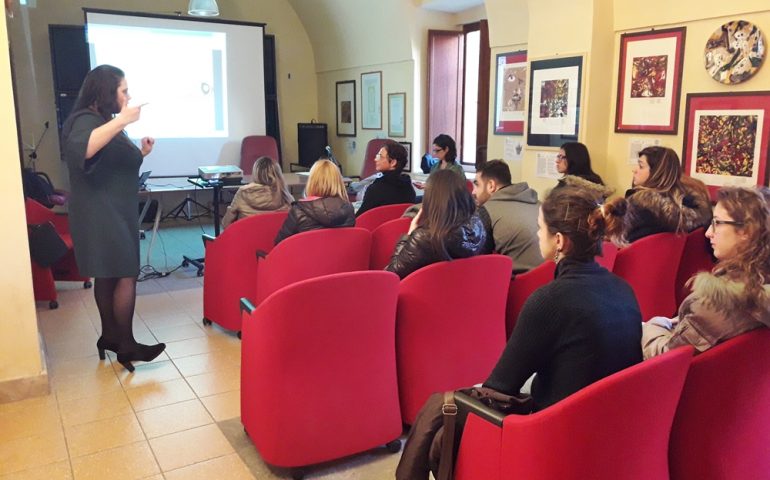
[(61, 223), (247, 306), (206, 239), (261, 254), (467, 404)]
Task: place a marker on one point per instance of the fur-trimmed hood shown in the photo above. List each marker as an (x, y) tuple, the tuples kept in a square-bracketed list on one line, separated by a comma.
[(652, 212), (721, 293), (580, 182)]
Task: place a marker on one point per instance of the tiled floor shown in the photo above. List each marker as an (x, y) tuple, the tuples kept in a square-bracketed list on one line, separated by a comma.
[(101, 422)]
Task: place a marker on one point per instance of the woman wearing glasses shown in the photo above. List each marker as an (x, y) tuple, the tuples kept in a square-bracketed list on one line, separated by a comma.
[(735, 297), (662, 198), (574, 162), (445, 150)]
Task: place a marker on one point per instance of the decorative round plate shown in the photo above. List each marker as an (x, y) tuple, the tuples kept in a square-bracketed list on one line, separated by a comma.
[(734, 52)]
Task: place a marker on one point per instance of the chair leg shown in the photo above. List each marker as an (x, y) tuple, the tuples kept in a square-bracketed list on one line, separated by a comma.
[(53, 304)]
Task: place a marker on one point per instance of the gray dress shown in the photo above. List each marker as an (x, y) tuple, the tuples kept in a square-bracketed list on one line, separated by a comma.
[(103, 203)]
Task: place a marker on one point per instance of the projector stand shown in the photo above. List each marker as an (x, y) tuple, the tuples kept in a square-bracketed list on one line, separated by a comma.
[(184, 209)]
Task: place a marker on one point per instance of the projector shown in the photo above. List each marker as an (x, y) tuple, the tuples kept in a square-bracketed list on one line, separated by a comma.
[(224, 173)]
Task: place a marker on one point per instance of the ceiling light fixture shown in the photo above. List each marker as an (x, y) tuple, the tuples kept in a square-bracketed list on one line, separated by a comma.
[(203, 8)]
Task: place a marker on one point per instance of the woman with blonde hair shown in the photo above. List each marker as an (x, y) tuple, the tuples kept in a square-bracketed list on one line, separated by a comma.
[(325, 204), (662, 198), (267, 192), (735, 297)]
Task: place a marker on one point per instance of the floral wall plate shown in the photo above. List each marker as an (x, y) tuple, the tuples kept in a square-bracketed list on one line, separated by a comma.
[(734, 52)]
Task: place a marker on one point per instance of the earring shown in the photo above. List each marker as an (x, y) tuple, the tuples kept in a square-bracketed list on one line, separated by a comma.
[(557, 256)]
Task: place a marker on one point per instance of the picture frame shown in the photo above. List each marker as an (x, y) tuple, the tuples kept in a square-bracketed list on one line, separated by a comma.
[(408, 147), (510, 89), (555, 92), (397, 114), (650, 81), (346, 108), (371, 101), (727, 138)]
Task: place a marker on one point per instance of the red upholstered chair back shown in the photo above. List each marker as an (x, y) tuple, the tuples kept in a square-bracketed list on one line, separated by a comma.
[(375, 217), (722, 426), (450, 328), (231, 266), (469, 186), (521, 287), (650, 266), (37, 213), (615, 428), (255, 146), (696, 257), (384, 239), (312, 254), (608, 256), (372, 148), (318, 373)]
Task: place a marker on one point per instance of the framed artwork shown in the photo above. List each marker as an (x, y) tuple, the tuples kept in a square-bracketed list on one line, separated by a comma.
[(726, 138), (346, 108), (510, 85), (371, 101), (408, 147), (554, 101), (397, 114), (734, 52), (650, 81)]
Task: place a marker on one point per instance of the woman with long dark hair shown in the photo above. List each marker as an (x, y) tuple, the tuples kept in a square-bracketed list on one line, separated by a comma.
[(445, 150), (573, 160), (103, 206), (446, 227)]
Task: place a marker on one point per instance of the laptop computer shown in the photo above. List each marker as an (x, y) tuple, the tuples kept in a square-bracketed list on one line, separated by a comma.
[(143, 179)]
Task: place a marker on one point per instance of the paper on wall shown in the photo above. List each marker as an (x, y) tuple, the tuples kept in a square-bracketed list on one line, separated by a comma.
[(636, 145), (546, 165), (513, 149)]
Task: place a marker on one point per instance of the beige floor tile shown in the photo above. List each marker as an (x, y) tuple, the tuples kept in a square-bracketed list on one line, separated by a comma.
[(31, 452), (231, 464), (223, 406), (154, 477), (193, 346), (63, 369), (103, 435), (170, 320), (147, 373), (91, 409), (205, 363), (101, 382), (190, 446), (159, 394), (47, 401), (173, 418), (36, 420), (177, 333), (216, 382), (53, 471), (72, 349), (130, 462)]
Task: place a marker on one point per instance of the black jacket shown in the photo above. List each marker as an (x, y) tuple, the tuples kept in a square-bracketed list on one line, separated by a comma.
[(325, 212), (649, 212), (415, 251), (390, 188)]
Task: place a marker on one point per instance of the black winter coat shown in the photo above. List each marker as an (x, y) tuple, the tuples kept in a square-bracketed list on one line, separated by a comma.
[(388, 189), (415, 251), (324, 212)]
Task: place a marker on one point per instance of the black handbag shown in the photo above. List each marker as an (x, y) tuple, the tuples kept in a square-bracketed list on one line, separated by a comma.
[(45, 244)]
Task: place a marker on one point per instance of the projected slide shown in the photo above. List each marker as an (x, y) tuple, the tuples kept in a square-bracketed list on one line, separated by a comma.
[(189, 103)]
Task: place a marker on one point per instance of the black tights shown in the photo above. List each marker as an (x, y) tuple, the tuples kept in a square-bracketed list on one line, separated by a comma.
[(115, 299)]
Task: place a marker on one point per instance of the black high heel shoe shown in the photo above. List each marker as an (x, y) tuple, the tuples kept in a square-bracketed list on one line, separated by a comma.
[(140, 353), (103, 345)]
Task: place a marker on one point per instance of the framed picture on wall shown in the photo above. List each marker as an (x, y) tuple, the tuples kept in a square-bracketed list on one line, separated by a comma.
[(397, 114), (650, 81), (554, 101), (726, 138), (408, 147), (510, 85), (371, 101), (346, 108)]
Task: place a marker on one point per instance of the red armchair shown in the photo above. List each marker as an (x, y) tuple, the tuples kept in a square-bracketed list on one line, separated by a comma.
[(65, 269), (450, 327), (721, 429), (616, 428), (317, 381), (384, 240), (696, 257), (312, 254), (372, 148), (231, 266), (521, 287), (608, 256), (375, 217), (255, 146), (650, 266)]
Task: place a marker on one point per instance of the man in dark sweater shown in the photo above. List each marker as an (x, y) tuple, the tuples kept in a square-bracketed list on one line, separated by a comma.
[(509, 214), (391, 186)]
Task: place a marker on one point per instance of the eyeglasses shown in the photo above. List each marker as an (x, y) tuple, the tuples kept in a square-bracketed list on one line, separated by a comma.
[(380, 156), (715, 222), (436, 150), (561, 157)]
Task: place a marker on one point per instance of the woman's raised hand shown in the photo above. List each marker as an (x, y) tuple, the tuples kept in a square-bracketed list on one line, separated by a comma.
[(129, 114)]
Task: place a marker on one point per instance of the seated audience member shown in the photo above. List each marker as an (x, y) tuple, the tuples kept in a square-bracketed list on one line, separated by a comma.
[(445, 150), (446, 227), (509, 213), (577, 329), (267, 192), (325, 204), (663, 199), (735, 297), (574, 162), (391, 186)]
